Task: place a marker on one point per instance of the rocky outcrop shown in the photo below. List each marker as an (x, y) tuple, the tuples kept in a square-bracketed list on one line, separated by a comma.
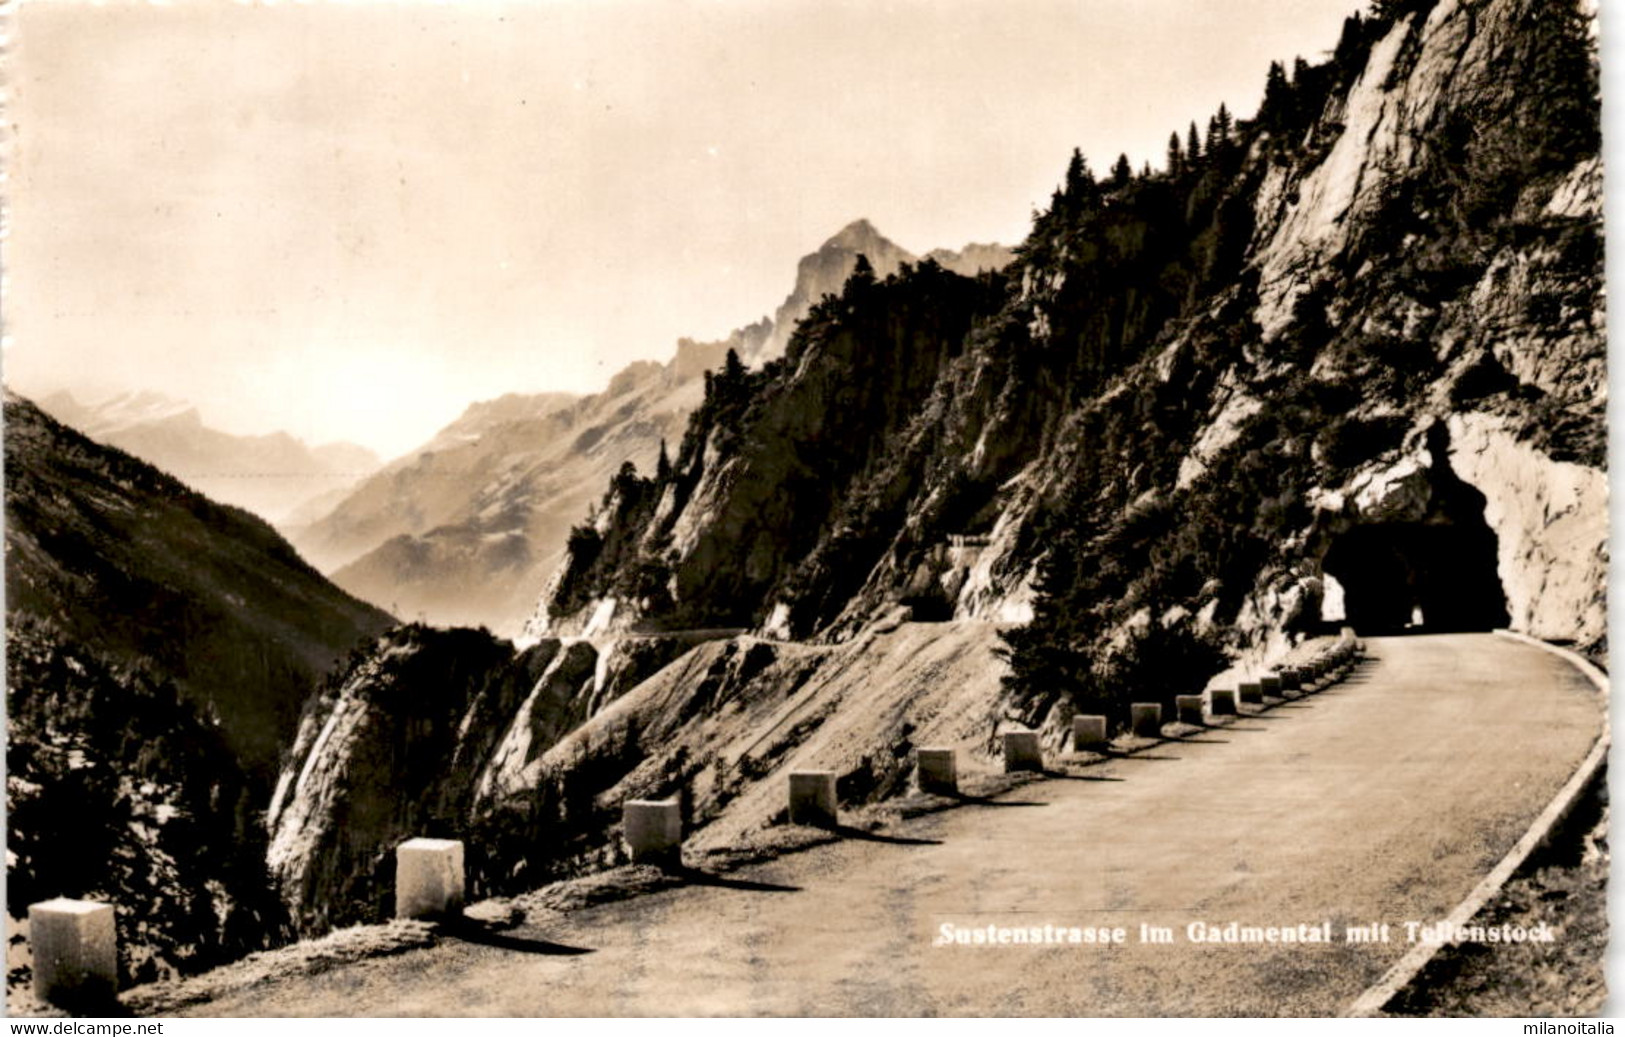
[(1406, 238), (1550, 520), (825, 272), (417, 737)]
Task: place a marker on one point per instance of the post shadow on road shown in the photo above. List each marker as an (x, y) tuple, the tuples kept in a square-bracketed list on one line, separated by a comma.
[(1068, 776), (696, 877), (471, 930), (849, 832), (966, 799)]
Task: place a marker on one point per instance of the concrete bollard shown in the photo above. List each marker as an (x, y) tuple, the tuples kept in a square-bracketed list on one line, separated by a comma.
[(1022, 752), (653, 829), (1290, 681), (1145, 719), (812, 798), (1251, 692), (429, 878), (1190, 709), (1223, 702), (1088, 732), (937, 770), (75, 945), (1271, 683)]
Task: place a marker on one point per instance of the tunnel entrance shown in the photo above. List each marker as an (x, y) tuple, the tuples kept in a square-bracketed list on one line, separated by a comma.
[(1434, 571), (1413, 575)]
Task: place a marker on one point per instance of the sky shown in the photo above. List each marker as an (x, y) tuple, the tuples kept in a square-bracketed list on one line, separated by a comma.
[(350, 220)]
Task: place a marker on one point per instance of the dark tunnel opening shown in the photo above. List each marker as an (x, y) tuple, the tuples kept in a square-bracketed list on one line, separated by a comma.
[(1435, 574), (1396, 573)]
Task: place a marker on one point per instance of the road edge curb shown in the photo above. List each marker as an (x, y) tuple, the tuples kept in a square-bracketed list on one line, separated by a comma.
[(1371, 1002)]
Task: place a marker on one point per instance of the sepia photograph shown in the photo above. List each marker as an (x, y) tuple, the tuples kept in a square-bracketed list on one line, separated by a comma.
[(805, 508)]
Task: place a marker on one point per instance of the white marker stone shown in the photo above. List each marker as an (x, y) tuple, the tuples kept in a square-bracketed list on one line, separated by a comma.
[(1022, 752), (1190, 709), (429, 878), (938, 771), (75, 946), (1145, 719), (812, 798), (1088, 732), (652, 828)]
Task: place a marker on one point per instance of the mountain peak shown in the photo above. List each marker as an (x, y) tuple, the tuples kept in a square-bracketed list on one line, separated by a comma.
[(861, 236)]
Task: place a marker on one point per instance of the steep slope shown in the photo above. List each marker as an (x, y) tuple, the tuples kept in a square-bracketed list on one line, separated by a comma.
[(464, 530), (1313, 352), (159, 649), (412, 739), (120, 790), (109, 552), (271, 475)]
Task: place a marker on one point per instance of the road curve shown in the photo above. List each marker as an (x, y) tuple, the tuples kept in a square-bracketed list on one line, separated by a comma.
[(1383, 799)]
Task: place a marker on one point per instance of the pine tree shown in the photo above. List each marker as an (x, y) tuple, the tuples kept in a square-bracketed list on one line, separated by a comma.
[(1218, 133), (1079, 192), (1078, 177), (663, 464), (1176, 157), (1122, 172), (863, 275), (1193, 145), (1275, 109)]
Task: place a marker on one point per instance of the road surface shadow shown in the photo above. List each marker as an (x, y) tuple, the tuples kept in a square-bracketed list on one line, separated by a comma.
[(471, 931), (1068, 776), (848, 832), (966, 799), (696, 877)]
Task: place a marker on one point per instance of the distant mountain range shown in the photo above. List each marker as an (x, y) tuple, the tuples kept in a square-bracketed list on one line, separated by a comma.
[(467, 528), (276, 476)]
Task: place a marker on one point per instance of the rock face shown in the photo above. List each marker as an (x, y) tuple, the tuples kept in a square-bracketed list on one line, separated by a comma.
[(465, 529), (416, 738), (274, 476), (159, 648), (527, 755), (825, 272), (1402, 246)]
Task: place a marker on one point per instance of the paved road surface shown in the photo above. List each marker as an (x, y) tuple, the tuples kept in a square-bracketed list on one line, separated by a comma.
[(1384, 799)]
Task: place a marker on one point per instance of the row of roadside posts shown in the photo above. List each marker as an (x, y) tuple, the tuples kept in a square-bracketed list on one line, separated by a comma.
[(75, 942)]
